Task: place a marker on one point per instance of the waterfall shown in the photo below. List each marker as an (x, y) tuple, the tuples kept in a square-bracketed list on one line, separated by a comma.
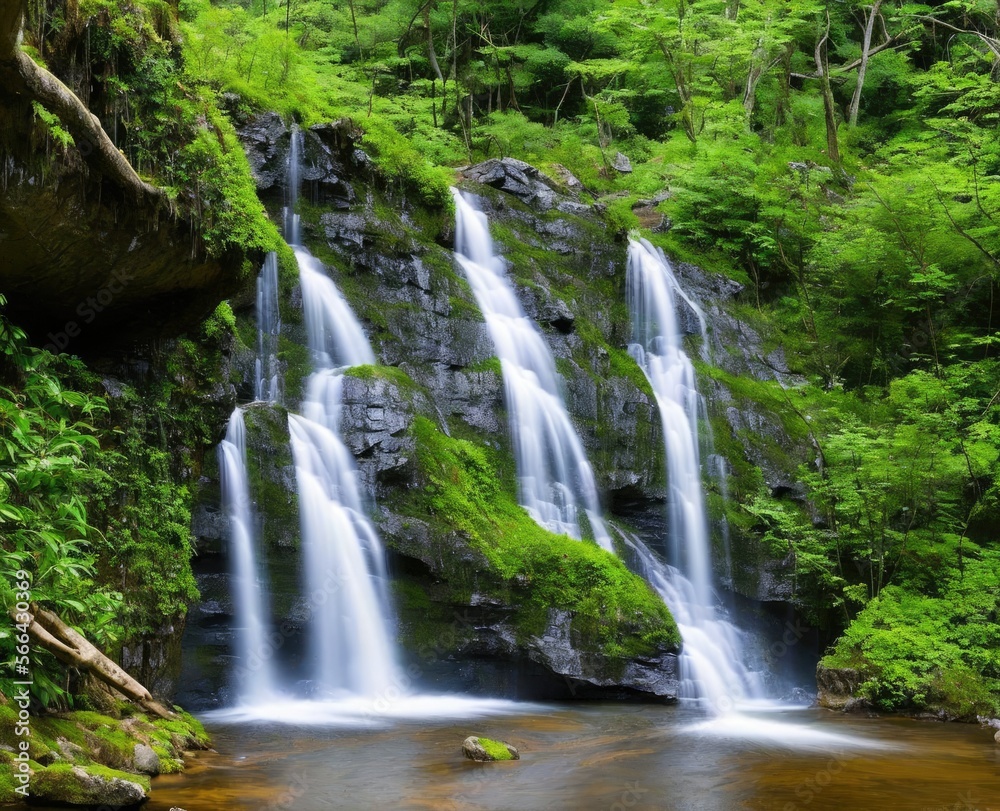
[(250, 598), (266, 371), (350, 642), (293, 178), (554, 477), (711, 662)]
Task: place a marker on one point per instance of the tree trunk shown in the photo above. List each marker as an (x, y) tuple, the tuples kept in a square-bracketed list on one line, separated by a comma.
[(866, 45), (823, 73), (68, 646)]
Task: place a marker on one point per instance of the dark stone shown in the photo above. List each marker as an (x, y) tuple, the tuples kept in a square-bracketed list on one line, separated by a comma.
[(520, 179), (85, 269), (265, 141), (836, 688)]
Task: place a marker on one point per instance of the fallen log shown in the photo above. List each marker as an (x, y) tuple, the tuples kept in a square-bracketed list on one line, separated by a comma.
[(69, 646)]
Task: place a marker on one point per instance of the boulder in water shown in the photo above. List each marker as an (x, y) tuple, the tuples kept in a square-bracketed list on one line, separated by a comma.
[(486, 750), (997, 736)]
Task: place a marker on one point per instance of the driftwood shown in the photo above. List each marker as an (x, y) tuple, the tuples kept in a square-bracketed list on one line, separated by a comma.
[(54, 635), (21, 76)]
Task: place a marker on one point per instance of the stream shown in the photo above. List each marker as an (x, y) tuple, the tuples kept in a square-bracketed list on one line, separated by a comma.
[(595, 756)]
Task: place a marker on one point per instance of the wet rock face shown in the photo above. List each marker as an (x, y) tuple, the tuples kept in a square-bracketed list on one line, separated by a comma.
[(85, 269), (330, 159), (265, 140), (421, 317), (837, 688), (652, 678)]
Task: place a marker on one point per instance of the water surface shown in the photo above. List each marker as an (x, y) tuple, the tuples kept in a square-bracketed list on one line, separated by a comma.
[(600, 756)]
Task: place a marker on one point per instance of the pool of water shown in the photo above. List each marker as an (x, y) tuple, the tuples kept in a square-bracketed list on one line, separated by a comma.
[(599, 756)]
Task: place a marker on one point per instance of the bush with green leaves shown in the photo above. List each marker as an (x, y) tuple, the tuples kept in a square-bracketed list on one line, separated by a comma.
[(49, 466)]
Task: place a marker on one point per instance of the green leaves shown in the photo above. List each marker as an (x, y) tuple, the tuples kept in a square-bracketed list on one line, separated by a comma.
[(47, 468)]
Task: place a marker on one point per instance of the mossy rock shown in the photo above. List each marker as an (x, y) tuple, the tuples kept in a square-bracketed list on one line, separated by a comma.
[(89, 786), (7, 783), (470, 489), (487, 750)]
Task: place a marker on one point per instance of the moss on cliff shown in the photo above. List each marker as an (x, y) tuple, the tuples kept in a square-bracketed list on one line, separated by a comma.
[(469, 489)]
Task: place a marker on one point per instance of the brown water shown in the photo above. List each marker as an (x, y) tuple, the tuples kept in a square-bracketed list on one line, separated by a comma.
[(602, 757)]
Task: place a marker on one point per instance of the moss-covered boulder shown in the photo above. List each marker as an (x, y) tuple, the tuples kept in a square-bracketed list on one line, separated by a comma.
[(92, 758), (88, 786), (487, 750)]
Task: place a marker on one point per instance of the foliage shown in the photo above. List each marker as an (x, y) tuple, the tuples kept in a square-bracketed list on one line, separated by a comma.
[(859, 208), (172, 133), (48, 468), (914, 650)]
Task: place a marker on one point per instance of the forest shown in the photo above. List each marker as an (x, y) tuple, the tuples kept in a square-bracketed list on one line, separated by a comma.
[(838, 162)]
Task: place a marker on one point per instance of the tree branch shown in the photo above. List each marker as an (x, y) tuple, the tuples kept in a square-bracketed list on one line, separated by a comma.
[(21, 76)]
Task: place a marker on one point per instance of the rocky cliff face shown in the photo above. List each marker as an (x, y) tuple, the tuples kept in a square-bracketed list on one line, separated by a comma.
[(393, 263)]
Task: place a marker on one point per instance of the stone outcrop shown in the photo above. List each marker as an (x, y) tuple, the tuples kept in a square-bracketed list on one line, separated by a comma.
[(837, 687), (93, 255)]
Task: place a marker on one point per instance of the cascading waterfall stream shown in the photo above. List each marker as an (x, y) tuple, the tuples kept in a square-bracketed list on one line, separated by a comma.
[(291, 222), (267, 376), (712, 660), (250, 598), (351, 659), (344, 561), (554, 477)]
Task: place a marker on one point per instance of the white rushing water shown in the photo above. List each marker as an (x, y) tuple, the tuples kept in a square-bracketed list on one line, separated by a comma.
[(267, 375), (350, 643), (555, 479), (250, 597), (291, 221), (712, 662)]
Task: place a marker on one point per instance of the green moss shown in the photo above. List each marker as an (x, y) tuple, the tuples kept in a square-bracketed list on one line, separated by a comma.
[(297, 364), (391, 374), (185, 725), (168, 763), (495, 749), (491, 364), (269, 457), (8, 718), (220, 323), (463, 308), (57, 782), (7, 793), (470, 488)]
